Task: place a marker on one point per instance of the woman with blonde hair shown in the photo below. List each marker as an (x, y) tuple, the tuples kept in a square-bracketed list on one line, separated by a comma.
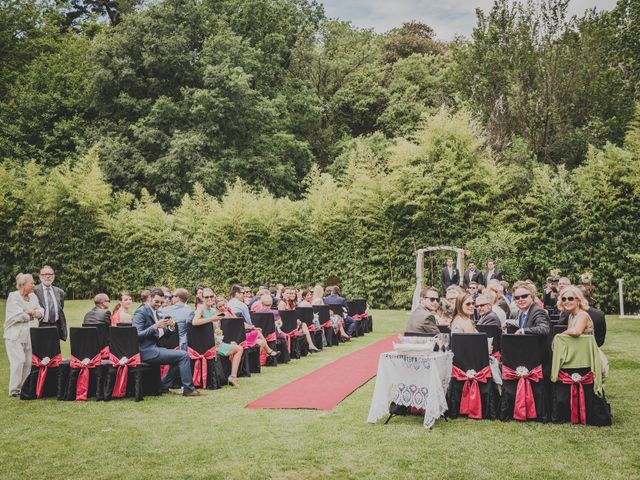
[(22, 313), (576, 305)]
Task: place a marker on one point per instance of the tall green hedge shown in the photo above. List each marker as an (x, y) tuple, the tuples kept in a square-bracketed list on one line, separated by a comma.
[(440, 187)]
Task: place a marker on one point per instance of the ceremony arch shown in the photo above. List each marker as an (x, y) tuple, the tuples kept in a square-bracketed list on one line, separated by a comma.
[(419, 253)]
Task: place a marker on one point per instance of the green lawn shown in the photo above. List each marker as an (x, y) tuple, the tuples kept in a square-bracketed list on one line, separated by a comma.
[(215, 437)]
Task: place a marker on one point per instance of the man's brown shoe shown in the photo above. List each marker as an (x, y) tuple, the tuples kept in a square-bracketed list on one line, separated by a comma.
[(193, 393)]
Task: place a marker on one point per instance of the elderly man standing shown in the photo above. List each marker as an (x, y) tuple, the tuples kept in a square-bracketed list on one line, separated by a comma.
[(531, 318), (51, 299), (423, 318), (99, 314)]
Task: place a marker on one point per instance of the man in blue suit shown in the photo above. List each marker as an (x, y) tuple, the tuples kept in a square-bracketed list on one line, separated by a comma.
[(335, 299), (150, 328)]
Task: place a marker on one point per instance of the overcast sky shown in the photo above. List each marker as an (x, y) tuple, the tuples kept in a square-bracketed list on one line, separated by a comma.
[(446, 17)]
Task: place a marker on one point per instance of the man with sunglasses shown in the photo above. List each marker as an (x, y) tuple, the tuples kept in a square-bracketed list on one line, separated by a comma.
[(423, 318), (531, 318), (484, 307)]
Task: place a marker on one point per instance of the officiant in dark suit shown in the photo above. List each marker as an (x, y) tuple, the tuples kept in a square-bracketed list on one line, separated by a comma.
[(450, 275), (51, 299), (472, 275)]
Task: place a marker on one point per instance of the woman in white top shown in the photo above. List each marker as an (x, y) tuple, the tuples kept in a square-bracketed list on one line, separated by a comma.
[(23, 312)]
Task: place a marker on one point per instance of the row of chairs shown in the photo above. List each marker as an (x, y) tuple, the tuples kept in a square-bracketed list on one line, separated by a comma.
[(102, 357), (527, 392)]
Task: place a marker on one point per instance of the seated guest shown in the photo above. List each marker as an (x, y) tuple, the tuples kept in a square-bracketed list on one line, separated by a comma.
[(473, 289), (334, 298), (500, 304), (534, 289), (532, 319), (206, 313), (248, 296), (99, 314), (151, 327), (576, 305), (485, 309), (506, 292), (258, 305), (444, 314), (317, 295), (181, 313), (597, 318), (198, 295), (236, 304), (288, 302), (550, 294), (307, 298), (120, 312), (253, 335), (22, 313), (452, 293), (463, 315), (422, 319)]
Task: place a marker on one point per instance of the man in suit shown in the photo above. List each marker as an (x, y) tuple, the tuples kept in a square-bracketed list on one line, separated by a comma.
[(423, 319), (485, 311), (150, 326), (181, 313), (492, 273), (472, 275), (334, 298), (531, 318), (99, 314), (450, 275), (51, 299)]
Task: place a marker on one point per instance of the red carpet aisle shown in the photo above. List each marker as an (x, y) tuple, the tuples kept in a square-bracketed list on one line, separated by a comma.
[(328, 386)]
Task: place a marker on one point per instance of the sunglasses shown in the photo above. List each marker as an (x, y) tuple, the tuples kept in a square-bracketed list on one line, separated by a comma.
[(521, 297), (432, 299), (208, 296), (481, 304), (568, 299)]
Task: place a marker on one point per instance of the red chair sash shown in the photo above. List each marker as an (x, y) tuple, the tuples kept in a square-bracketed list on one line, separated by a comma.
[(82, 386), (312, 328), (327, 324), (525, 406), (200, 367), (360, 316), (292, 334), (104, 353), (497, 356), (272, 337), (44, 364), (471, 403), (123, 364), (578, 406)]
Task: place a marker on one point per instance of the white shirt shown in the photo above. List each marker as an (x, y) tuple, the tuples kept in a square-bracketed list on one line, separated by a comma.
[(47, 291)]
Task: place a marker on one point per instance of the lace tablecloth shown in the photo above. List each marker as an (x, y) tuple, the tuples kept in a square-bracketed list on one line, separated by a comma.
[(419, 381)]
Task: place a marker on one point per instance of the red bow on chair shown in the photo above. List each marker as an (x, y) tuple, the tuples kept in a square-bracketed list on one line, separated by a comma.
[(360, 316), (471, 403), (327, 324), (525, 406), (578, 407), (200, 367), (272, 337), (123, 364), (82, 386), (43, 364), (290, 335), (104, 353)]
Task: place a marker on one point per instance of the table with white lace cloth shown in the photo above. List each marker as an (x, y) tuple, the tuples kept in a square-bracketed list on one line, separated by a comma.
[(419, 381)]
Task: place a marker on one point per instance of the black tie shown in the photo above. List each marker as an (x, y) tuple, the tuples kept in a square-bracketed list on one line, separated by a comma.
[(51, 316)]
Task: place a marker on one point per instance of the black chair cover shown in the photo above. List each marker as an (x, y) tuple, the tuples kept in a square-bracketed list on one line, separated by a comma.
[(266, 322), (143, 379), (324, 315), (290, 323), (171, 341), (85, 343), (45, 342), (598, 410), (233, 331), (358, 307), (418, 334), (492, 331), (202, 338), (444, 329), (527, 351), (470, 352), (103, 333), (305, 315)]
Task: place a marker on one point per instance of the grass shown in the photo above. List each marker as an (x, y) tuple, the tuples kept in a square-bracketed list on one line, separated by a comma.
[(215, 437)]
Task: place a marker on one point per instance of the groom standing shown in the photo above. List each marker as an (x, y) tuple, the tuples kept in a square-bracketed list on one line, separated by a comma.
[(150, 328)]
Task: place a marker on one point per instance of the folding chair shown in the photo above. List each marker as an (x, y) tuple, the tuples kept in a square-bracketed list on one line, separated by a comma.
[(305, 315), (266, 322), (127, 373), (49, 373), (290, 328), (87, 372), (233, 331), (472, 391), (523, 387), (201, 343)]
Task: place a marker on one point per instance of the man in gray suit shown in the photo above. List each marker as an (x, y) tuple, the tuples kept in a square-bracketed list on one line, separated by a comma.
[(423, 319), (487, 315), (531, 318), (51, 299), (99, 314)]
